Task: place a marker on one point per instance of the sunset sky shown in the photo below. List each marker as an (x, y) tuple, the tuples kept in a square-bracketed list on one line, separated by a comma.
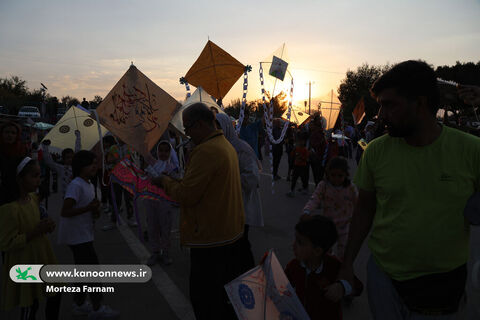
[(82, 48)]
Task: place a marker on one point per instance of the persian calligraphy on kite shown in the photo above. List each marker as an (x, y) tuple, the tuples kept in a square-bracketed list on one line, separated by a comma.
[(137, 110)]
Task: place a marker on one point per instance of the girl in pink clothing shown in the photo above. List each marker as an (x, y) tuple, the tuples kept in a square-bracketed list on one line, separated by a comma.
[(335, 197)]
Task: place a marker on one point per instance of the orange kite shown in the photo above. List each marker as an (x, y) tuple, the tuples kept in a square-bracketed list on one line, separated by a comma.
[(215, 71)]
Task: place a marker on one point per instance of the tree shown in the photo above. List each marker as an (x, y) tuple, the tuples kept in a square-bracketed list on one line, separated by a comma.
[(463, 73), (95, 102), (69, 101), (356, 85), (13, 93)]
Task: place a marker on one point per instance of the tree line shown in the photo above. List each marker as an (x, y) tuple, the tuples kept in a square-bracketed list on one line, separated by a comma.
[(356, 85), (14, 93)]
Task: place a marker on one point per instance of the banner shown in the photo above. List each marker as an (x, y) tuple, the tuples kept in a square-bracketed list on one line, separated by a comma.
[(137, 111), (264, 293)]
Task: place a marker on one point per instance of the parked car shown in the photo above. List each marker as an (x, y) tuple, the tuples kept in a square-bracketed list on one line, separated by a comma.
[(60, 113), (3, 110), (30, 112)]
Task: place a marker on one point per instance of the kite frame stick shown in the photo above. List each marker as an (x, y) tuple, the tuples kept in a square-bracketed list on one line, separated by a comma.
[(214, 68), (75, 116)]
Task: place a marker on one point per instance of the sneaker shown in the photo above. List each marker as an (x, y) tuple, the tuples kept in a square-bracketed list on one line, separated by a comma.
[(154, 258), (165, 258), (109, 226), (291, 194), (104, 312), (82, 310), (131, 222)]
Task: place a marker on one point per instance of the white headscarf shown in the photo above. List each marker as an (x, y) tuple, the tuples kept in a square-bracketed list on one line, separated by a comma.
[(229, 132), (167, 166)]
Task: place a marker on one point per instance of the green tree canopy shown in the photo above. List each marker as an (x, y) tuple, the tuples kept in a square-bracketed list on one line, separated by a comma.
[(356, 85)]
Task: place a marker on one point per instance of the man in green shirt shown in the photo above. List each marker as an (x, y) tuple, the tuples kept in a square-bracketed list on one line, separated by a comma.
[(413, 187)]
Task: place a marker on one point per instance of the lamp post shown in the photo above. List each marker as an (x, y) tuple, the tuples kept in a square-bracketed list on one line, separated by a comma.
[(44, 107)]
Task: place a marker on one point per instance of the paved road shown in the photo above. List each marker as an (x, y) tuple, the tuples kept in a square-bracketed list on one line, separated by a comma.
[(166, 296)]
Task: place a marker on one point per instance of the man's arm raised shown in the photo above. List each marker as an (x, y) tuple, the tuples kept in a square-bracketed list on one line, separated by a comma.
[(359, 228)]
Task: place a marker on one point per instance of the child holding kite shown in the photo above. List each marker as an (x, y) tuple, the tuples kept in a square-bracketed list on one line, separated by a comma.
[(63, 170), (76, 229), (23, 238), (314, 273), (159, 215), (335, 197)]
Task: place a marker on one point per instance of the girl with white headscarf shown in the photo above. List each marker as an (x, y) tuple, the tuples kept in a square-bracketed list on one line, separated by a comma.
[(159, 214), (250, 176)]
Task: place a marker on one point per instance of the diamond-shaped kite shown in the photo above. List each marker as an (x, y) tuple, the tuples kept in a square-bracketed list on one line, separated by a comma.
[(62, 136), (265, 293), (215, 71), (278, 69), (198, 96), (137, 110)]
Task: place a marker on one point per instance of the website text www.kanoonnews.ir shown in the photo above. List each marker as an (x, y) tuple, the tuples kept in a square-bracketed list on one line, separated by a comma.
[(80, 278)]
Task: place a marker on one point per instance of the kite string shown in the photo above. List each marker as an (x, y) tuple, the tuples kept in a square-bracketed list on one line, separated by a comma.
[(244, 102), (269, 112), (268, 115), (100, 135)]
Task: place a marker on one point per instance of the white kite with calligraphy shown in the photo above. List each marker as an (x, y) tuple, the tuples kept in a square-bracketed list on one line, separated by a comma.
[(137, 110)]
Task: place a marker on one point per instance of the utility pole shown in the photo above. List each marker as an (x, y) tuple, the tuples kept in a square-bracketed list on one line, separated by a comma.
[(310, 96)]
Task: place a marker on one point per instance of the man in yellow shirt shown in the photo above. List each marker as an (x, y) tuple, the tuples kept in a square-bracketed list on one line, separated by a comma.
[(212, 214), (413, 186)]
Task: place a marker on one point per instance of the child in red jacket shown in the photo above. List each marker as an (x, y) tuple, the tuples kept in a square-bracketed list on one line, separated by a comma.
[(313, 273)]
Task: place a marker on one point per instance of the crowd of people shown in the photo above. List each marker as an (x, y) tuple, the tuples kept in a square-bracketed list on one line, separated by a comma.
[(407, 196)]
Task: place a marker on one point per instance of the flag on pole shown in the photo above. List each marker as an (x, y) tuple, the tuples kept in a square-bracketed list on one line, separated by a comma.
[(359, 111), (264, 293), (137, 110)]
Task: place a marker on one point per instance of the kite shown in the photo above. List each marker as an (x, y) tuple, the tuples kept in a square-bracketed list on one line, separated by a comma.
[(363, 143), (359, 112), (198, 96), (137, 111), (278, 69), (298, 117), (62, 135), (136, 182), (330, 108), (265, 293), (215, 70)]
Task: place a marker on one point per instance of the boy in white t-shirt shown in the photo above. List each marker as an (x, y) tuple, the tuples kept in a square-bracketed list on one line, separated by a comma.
[(76, 229)]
